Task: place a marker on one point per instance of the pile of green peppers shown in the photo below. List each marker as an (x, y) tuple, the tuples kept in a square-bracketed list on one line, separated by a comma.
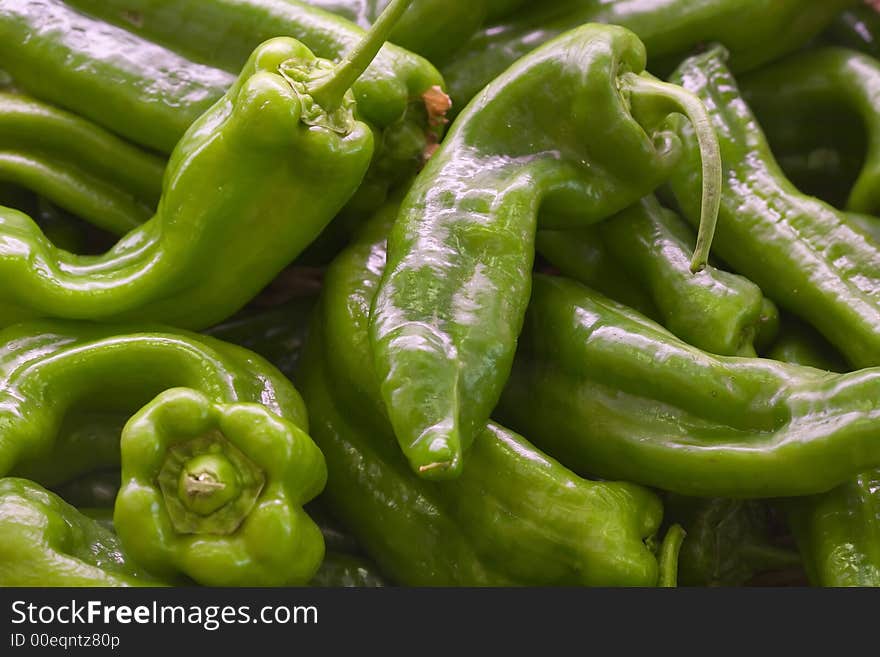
[(350, 293)]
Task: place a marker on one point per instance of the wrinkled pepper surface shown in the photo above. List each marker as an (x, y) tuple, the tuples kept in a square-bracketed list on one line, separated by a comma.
[(248, 187), (46, 542), (804, 254), (612, 394), (755, 31), (514, 516), (822, 92), (448, 312)]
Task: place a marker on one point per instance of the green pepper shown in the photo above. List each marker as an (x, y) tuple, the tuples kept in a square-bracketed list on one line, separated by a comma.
[(799, 343), (151, 95), (67, 389), (77, 165), (452, 299), (646, 249), (46, 542), (432, 28), (611, 394), (249, 186), (755, 31), (857, 28), (823, 91), (215, 492), (729, 542), (836, 531), (804, 254), (514, 516)]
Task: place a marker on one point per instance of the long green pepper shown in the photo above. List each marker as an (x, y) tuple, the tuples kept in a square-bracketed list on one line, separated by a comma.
[(805, 255), (446, 317), (514, 517)]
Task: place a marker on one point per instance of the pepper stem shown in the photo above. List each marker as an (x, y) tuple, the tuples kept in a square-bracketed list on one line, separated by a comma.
[(680, 100), (330, 90), (668, 557)]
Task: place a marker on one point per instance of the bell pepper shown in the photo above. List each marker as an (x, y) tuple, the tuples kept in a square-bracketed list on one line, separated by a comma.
[(46, 542), (823, 92), (70, 387), (648, 247), (460, 255), (152, 95), (804, 254), (246, 190), (611, 394), (76, 164), (755, 31), (215, 491), (514, 516)]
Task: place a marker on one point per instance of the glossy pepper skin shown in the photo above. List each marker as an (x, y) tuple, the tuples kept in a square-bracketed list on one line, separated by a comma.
[(77, 165), (452, 299), (728, 541), (755, 31), (648, 248), (46, 542), (248, 187), (611, 394), (816, 91), (151, 95), (515, 516), (347, 571), (804, 254), (215, 492), (837, 531), (434, 29), (65, 383), (201, 30)]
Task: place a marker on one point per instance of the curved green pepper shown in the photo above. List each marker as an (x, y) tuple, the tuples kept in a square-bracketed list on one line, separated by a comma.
[(63, 386), (755, 31), (95, 490), (799, 343), (77, 165), (215, 492), (648, 247), (514, 516), (46, 542), (817, 92), (804, 254), (452, 299), (246, 190), (611, 394)]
